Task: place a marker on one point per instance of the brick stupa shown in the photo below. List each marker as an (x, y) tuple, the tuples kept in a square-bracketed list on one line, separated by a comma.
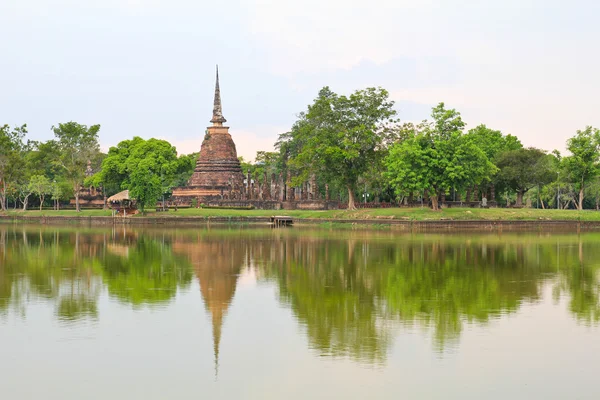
[(218, 173)]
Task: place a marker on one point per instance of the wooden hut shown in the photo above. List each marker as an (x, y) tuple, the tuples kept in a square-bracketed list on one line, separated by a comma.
[(122, 203)]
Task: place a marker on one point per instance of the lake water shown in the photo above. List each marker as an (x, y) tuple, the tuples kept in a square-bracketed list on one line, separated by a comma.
[(297, 313)]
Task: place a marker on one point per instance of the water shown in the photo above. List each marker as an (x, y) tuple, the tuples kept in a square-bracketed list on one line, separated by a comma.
[(247, 313)]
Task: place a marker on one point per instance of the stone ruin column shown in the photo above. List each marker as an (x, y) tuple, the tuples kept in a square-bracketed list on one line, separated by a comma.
[(327, 192), (314, 193), (273, 188), (248, 186), (266, 193)]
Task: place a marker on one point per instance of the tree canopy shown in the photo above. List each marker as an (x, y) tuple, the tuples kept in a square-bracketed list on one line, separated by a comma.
[(437, 157), (12, 151), (583, 165), (78, 144), (148, 168), (523, 169), (340, 136)]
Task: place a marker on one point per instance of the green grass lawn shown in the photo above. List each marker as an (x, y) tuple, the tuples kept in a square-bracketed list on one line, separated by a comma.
[(417, 214)]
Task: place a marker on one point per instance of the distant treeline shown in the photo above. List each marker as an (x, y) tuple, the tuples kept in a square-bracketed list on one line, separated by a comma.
[(353, 148)]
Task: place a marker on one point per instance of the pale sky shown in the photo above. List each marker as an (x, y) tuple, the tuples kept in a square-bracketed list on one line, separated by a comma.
[(146, 67)]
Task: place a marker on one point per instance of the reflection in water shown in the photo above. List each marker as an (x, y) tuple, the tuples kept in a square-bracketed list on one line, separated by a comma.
[(348, 290), (70, 268), (217, 264)]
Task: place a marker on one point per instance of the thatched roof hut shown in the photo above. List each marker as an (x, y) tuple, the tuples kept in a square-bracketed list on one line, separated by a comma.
[(121, 200), (119, 197)]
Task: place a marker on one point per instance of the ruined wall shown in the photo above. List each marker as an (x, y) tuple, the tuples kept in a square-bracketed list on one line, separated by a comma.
[(310, 205)]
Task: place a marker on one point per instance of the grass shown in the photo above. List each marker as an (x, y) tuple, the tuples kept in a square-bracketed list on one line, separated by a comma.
[(414, 214)]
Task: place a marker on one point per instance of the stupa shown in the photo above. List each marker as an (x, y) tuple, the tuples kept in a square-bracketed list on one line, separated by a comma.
[(218, 173)]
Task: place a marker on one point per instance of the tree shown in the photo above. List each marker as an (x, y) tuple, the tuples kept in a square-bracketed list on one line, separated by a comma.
[(493, 143), (148, 168), (77, 144), (40, 185), (341, 137), (437, 157), (145, 186), (24, 191), (523, 169), (42, 159), (583, 165), (186, 163), (56, 192), (12, 160), (124, 159)]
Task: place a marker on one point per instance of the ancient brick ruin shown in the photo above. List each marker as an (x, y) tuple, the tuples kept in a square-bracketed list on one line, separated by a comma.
[(218, 179), (218, 174)]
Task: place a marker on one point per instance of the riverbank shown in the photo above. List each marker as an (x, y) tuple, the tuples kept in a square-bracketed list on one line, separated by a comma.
[(383, 214), (401, 218)]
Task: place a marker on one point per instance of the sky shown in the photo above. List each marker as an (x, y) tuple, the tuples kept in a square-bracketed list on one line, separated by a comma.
[(146, 68)]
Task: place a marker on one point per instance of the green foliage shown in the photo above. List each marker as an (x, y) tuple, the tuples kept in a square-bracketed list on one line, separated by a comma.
[(148, 168), (145, 185), (77, 145), (12, 162), (42, 159), (523, 169), (186, 163), (583, 165), (40, 186), (436, 158), (340, 137), (493, 142)]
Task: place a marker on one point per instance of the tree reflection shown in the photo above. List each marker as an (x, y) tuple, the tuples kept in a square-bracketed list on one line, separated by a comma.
[(144, 271), (348, 290), (69, 269)]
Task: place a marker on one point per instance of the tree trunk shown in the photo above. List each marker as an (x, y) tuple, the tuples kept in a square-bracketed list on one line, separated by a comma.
[(434, 201), (580, 205), (351, 199), (468, 195), (3, 196), (541, 201), (41, 202), (519, 202), (25, 201)]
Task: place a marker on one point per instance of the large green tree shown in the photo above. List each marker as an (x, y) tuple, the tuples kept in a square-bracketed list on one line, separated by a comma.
[(436, 158), (340, 137), (493, 143), (77, 144), (12, 161), (523, 169), (583, 165), (40, 186), (147, 168)]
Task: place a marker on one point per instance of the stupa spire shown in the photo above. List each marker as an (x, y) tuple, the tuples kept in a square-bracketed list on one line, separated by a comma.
[(217, 118)]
